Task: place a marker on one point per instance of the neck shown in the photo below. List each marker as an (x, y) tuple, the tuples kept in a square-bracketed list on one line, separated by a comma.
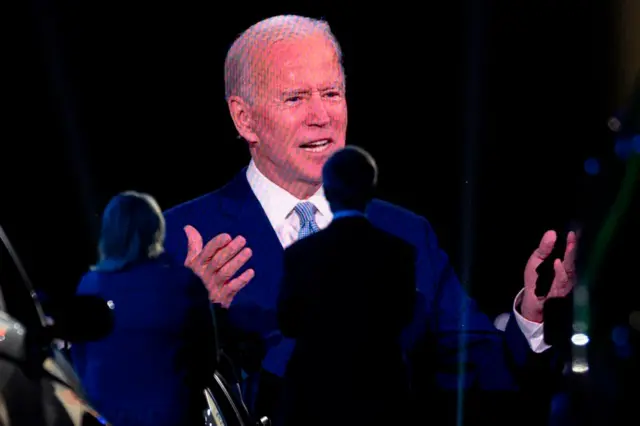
[(302, 190)]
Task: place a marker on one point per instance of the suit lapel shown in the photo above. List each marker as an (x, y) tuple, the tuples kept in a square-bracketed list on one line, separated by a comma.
[(247, 218)]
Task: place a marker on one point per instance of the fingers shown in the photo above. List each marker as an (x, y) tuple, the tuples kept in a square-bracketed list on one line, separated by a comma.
[(219, 260), (230, 289), (230, 266), (225, 253), (194, 244), (213, 246), (570, 254), (238, 283), (543, 251), (546, 245), (224, 294), (215, 263), (218, 282), (561, 285)]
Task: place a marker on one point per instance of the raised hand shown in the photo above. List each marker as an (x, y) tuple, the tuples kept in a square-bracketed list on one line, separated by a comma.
[(564, 275), (218, 261)]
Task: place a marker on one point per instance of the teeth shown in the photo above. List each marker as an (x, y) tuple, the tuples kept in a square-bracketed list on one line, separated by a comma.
[(318, 146), (317, 149), (317, 143)]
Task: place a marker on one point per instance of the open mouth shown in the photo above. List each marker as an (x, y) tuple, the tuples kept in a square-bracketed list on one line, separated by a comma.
[(316, 146)]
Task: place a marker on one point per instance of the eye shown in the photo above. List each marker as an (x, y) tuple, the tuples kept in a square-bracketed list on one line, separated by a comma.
[(293, 99), (333, 94)]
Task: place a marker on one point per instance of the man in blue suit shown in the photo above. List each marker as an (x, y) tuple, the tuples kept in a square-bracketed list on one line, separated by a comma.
[(285, 88)]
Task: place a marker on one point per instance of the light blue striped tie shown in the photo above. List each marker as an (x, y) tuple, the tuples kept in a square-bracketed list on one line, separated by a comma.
[(306, 211)]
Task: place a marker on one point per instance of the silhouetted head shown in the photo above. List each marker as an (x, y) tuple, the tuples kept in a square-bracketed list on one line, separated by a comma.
[(133, 230), (349, 177)]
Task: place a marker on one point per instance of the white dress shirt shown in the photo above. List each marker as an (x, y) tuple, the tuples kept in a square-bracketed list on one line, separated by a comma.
[(278, 204)]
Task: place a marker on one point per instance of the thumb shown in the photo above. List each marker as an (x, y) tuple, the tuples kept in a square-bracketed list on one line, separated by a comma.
[(194, 243)]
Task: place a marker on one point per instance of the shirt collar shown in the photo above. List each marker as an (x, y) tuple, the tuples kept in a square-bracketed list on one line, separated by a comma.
[(276, 201)]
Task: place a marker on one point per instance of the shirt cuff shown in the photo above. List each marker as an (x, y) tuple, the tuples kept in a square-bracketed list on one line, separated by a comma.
[(533, 331)]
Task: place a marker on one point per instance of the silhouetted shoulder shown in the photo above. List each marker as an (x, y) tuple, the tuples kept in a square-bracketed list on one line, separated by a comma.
[(401, 222), (388, 210), (396, 245)]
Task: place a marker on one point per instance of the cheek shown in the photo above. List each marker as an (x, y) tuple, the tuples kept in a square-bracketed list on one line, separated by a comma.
[(339, 118), (339, 114), (283, 126), (278, 135), (289, 130)]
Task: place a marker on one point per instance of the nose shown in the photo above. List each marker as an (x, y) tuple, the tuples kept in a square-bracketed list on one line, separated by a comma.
[(317, 115)]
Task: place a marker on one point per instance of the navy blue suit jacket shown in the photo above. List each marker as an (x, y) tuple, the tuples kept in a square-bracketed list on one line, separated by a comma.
[(443, 309), (152, 368)]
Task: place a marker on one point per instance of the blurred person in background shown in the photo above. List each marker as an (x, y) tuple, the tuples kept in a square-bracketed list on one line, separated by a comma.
[(154, 366)]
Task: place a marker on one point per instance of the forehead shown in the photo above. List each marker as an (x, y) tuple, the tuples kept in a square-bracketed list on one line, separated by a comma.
[(309, 61)]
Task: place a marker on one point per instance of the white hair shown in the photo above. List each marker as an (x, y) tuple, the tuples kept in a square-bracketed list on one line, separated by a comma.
[(245, 52)]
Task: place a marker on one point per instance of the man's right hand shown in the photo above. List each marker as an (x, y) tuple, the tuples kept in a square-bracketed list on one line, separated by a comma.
[(217, 262)]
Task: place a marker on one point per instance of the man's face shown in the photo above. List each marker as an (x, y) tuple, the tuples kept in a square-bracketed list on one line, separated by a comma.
[(300, 112)]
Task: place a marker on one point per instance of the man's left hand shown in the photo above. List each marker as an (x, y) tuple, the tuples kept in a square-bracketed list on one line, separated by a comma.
[(564, 275)]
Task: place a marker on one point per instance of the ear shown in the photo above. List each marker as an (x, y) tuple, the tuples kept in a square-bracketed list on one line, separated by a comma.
[(242, 117)]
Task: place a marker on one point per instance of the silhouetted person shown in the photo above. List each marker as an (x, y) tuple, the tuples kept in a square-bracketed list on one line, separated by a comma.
[(154, 366), (347, 293)]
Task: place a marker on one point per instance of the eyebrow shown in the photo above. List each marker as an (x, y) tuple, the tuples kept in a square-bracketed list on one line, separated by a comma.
[(293, 92)]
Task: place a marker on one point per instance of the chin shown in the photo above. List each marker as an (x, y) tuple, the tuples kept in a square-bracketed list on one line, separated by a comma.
[(313, 179), (311, 174)]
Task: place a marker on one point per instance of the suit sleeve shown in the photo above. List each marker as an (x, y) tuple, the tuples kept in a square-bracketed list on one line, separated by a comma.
[(291, 300), (467, 344)]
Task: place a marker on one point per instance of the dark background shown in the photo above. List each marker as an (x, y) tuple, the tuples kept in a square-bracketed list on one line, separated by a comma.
[(480, 115)]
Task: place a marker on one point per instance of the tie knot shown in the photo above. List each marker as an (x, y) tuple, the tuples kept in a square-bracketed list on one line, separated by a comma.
[(306, 211)]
